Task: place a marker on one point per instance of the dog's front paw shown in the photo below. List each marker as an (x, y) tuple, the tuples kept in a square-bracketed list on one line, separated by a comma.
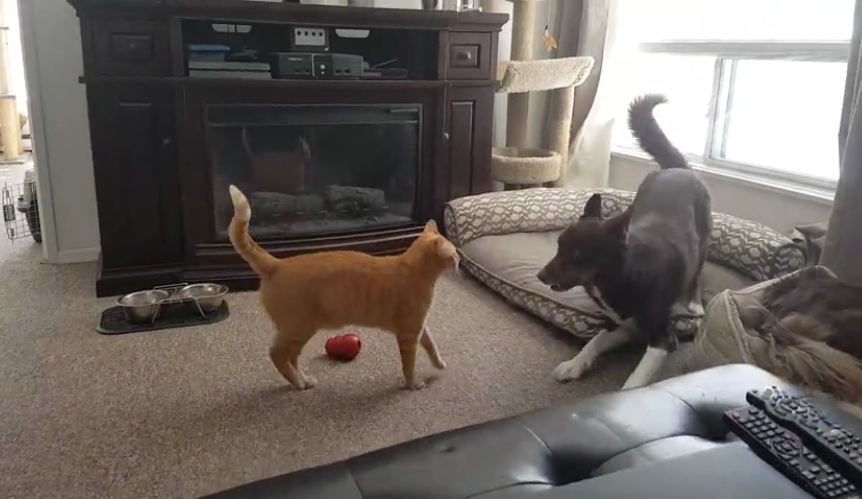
[(415, 385), (439, 364), (569, 370)]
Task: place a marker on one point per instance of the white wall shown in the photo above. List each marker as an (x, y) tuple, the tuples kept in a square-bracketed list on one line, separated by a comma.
[(52, 52), (15, 61), (772, 206)]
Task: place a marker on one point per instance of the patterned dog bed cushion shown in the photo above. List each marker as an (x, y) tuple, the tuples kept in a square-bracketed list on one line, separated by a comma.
[(745, 246), (508, 264), (506, 237)]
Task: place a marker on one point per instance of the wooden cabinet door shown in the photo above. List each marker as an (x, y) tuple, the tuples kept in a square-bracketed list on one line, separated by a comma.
[(470, 116), (135, 164)]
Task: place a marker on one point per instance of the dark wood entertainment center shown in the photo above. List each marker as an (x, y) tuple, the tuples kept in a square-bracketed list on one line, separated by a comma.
[(152, 141)]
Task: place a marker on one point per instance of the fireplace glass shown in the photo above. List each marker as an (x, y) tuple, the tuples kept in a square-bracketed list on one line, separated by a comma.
[(315, 169)]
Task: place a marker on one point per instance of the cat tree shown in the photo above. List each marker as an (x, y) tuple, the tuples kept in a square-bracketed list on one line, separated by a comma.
[(517, 165)]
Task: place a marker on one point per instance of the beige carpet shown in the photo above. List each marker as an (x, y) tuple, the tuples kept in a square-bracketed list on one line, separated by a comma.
[(185, 412)]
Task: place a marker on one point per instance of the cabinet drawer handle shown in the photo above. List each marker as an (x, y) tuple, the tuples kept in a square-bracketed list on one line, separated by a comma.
[(464, 55)]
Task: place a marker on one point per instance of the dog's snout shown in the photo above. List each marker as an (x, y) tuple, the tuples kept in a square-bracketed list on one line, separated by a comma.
[(543, 275)]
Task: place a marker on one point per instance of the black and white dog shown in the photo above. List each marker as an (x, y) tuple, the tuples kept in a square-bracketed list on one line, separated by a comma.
[(643, 265)]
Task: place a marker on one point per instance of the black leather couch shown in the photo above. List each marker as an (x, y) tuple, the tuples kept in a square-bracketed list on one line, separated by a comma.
[(526, 454)]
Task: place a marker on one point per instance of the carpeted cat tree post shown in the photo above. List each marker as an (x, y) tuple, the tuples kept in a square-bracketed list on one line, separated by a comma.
[(516, 165)]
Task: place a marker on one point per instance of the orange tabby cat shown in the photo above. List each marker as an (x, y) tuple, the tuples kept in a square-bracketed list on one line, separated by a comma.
[(334, 289)]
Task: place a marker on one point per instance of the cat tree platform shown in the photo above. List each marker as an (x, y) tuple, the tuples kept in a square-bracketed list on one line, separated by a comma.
[(517, 166)]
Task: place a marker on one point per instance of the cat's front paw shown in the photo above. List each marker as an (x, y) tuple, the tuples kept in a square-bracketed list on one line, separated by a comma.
[(310, 381), (415, 385)]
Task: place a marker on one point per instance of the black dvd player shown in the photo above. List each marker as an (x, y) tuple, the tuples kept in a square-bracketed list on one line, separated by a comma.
[(310, 65)]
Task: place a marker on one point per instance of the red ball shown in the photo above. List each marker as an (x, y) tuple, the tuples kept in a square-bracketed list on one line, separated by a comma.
[(343, 347)]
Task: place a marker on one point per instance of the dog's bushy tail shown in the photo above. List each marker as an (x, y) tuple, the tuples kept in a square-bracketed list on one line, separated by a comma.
[(650, 136), (260, 260)]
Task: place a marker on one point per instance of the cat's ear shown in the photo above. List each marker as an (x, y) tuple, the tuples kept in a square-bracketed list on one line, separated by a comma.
[(446, 251), (593, 208), (444, 248), (431, 226)]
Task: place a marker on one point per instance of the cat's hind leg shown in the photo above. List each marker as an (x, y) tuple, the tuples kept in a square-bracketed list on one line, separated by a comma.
[(430, 346), (285, 352), (407, 344)]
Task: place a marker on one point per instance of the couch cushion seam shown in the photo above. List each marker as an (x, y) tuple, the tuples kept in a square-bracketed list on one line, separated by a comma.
[(696, 412), (503, 487), (647, 442), (353, 479)]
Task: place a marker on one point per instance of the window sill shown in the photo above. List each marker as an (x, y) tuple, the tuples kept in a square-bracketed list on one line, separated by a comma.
[(799, 190)]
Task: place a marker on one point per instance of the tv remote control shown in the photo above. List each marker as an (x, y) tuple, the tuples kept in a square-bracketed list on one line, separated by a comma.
[(784, 450), (837, 445)]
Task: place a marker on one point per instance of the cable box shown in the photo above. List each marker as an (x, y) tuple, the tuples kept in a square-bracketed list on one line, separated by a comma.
[(310, 65)]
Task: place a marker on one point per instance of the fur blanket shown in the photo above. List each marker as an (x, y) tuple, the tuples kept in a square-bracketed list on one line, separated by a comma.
[(730, 334)]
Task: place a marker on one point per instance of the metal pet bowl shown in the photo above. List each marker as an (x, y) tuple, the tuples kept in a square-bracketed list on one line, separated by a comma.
[(208, 296), (143, 306)]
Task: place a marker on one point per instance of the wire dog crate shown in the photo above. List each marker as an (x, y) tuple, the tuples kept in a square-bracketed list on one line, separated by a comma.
[(21, 211)]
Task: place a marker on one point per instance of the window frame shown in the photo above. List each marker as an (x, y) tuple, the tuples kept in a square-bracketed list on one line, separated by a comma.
[(727, 55)]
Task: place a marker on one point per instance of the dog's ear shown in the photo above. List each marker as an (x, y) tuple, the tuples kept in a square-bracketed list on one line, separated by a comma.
[(431, 226), (812, 231), (593, 208), (813, 238)]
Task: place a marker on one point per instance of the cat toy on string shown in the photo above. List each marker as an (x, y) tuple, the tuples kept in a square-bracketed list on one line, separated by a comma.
[(550, 40)]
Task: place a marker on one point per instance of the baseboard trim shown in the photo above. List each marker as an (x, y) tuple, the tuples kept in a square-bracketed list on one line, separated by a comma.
[(78, 255)]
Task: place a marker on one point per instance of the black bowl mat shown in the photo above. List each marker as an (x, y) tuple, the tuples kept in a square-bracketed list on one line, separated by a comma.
[(114, 321)]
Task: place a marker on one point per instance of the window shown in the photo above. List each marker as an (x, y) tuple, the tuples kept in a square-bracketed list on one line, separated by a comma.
[(753, 85)]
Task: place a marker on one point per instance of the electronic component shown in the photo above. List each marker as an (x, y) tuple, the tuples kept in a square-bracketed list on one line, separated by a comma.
[(305, 39), (316, 66)]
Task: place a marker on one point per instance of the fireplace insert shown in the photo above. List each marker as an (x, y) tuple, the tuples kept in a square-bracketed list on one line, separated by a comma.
[(315, 169)]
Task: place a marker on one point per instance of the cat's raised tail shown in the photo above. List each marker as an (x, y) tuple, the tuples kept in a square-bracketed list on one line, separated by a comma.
[(260, 260)]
